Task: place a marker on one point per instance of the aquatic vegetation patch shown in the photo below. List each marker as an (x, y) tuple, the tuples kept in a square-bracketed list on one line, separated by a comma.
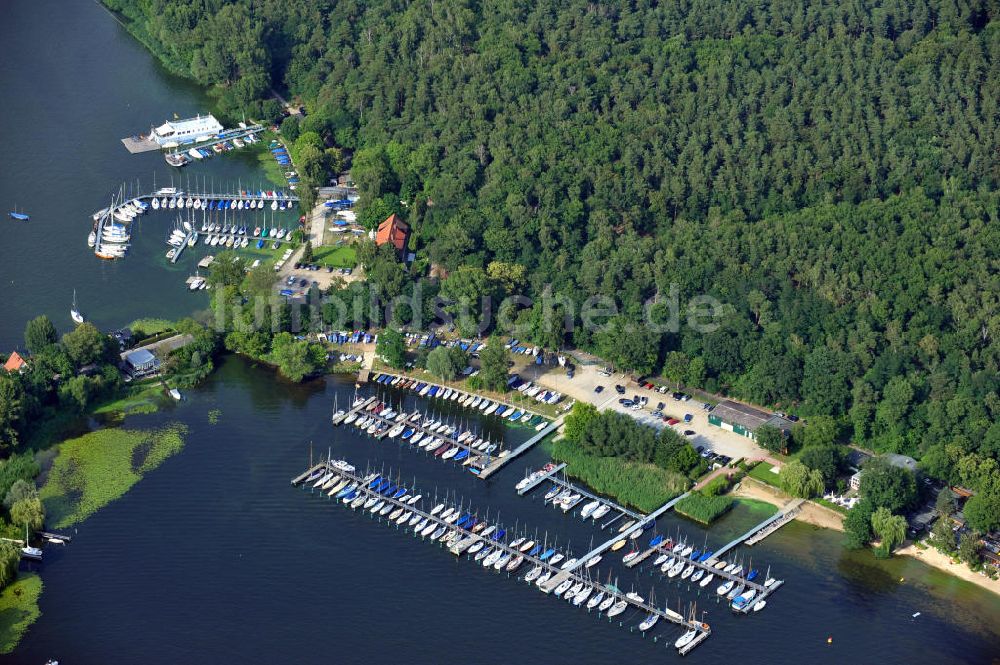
[(18, 609), (135, 400), (213, 416), (93, 470), (703, 508)]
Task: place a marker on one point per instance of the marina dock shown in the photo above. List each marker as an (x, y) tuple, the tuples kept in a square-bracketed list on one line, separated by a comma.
[(475, 459), (585, 495), (463, 537), (640, 525), (541, 479), (787, 514), (357, 408), (500, 462)]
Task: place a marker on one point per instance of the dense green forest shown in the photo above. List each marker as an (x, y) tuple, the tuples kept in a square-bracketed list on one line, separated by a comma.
[(828, 170)]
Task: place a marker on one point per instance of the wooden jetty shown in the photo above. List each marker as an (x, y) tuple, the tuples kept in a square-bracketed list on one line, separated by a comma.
[(783, 516), (463, 534), (585, 494), (441, 387), (787, 514), (539, 480), (475, 459), (359, 406), (556, 580), (499, 462)]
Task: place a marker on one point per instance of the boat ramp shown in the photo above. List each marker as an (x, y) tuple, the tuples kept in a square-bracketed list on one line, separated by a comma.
[(402, 514)]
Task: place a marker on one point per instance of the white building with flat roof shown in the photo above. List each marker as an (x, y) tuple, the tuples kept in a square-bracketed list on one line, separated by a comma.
[(191, 130)]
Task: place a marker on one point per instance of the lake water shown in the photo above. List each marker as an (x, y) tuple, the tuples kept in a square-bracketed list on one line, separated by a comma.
[(74, 83), (214, 557)]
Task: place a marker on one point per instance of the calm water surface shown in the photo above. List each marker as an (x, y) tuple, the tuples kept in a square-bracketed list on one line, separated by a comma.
[(215, 558), (73, 84)]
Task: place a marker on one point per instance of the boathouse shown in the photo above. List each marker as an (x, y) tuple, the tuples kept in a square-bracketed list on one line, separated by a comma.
[(745, 420), (394, 231)]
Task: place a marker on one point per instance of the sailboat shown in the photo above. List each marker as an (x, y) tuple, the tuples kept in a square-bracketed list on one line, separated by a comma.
[(14, 214), (29, 552), (74, 313)]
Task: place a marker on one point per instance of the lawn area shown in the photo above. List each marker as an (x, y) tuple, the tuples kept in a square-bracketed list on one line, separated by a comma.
[(762, 472), (642, 486), (18, 609), (344, 256), (149, 327), (93, 470)]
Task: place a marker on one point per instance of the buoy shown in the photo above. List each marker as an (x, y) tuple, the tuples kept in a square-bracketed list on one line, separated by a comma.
[(829, 640), (901, 579)]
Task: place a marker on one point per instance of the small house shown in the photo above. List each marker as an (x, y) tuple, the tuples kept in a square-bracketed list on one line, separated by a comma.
[(395, 232), (745, 420), (15, 363), (141, 363)]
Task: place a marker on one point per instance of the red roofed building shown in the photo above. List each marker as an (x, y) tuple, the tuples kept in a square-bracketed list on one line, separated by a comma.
[(395, 231), (15, 363)]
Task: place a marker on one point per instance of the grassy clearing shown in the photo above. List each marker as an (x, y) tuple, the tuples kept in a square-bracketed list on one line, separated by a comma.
[(18, 609), (344, 256), (149, 327), (642, 486), (93, 470)]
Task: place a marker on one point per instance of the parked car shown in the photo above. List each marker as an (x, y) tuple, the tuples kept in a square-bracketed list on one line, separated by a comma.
[(662, 390), (699, 449), (688, 417), (569, 374), (792, 418), (604, 372), (625, 402), (619, 389), (635, 406), (677, 396), (689, 432), (598, 389), (685, 397), (660, 406), (672, 421), (643, 401)]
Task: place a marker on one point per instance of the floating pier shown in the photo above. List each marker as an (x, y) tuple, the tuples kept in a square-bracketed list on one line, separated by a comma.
[(474, 458), (329, 472), (541, 479), (500, 462), (640, 525), (584, 495), (786, 515)]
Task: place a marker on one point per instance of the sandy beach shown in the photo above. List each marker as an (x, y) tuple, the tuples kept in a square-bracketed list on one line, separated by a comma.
[(810, 513), (932, 557), (822, 516)]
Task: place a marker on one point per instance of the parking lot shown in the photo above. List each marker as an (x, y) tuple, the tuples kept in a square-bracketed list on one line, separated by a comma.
[(587, 378)]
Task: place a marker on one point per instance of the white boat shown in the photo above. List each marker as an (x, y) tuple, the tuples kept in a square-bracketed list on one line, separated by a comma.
[(588, 509), (649, 622), (601, 511), (685, 639), (176, 394), (707, 580), (74, 313), (724, 588), (760, 604), (617, 608), (569, 564), (606, 603), (595, 600), (593, 561), (634, 597)]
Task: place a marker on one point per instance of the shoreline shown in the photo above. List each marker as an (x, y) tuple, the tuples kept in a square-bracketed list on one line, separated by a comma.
[(820, 516), (810, 513)]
